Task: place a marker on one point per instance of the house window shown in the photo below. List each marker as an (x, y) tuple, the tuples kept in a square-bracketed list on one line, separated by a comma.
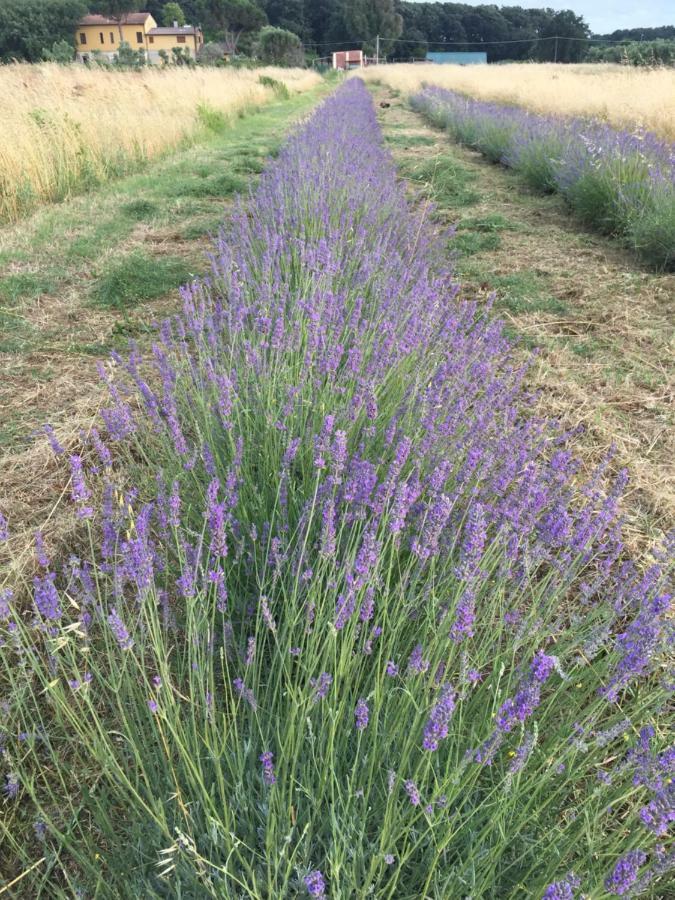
[(181, 38), (139, 37), (151, 38), (112, 37), (100, 34), (83, 37)]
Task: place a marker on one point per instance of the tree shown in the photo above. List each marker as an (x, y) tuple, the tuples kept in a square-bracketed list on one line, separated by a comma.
[(486, 23), (233, 18), (27, 27), (288, 14), (279, 47), (360, 21), (415, 46), (171, 12), (567, 38), (317, 19)]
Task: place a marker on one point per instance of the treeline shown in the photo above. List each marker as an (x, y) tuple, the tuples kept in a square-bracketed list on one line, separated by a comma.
[(635, 53), (509, 32), (663, 33), (407, 30)]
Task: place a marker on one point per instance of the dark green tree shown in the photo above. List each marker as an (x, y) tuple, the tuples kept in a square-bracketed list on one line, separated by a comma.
[(566, 38), (27, 27), (172, 12), (230, 19), (415, 46), (360, 21), (288, 14), (279, 47), (317, 19)]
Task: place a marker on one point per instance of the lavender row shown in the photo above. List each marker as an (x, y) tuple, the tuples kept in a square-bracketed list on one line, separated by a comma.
[(347, 624), (620, 182)]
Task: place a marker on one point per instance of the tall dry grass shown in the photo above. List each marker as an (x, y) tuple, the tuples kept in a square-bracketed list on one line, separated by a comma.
[(624, 96), (66, 127)]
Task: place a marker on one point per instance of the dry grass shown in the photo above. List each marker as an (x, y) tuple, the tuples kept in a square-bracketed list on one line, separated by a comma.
[(65, 126), (622, 95)]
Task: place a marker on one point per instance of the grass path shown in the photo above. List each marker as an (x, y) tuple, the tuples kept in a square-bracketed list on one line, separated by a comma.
[(81, 278), (604, 325)]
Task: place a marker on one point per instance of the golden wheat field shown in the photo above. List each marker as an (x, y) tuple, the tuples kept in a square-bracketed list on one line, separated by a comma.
[(624, 96), (68, 125)]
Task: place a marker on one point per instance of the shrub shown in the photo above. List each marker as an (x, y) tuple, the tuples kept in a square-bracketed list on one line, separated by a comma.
[(61, 52), (278, 47), (128, 58), (212, 53)]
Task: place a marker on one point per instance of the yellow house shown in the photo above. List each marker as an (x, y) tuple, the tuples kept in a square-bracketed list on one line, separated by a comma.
[(102, 35)]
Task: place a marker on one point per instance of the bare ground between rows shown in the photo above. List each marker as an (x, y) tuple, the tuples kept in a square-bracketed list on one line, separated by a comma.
[(57, 382), (603, 325)]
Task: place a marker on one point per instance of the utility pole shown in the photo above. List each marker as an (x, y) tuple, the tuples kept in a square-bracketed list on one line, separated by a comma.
[(377, 50), (555, 50)]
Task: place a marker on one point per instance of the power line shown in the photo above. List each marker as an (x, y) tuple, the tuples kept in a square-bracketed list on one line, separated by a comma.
[(532, 40)]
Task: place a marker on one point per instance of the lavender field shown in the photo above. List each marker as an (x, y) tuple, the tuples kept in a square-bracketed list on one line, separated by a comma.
[(345, 620), (621, 182)]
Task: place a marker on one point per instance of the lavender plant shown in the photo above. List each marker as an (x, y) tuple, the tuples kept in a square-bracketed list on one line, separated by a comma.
[(617, 181), (344, 627)]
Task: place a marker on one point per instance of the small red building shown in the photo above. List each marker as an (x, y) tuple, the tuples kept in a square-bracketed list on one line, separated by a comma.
[(348, 59)]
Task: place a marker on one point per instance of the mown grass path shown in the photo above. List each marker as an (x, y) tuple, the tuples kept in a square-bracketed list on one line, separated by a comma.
[(80, 278), (604, 325)]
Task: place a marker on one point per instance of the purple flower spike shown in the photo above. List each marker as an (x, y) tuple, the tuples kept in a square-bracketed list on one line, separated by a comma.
[(361, 714), (267, 760), (245, 693), (315, 884), (46, 597), (57, 449), (11, 786), (79, 490), (625, 872), (412, 792), (542, 666), (562, 890), (119, 630), (436, 728), (321, 686)]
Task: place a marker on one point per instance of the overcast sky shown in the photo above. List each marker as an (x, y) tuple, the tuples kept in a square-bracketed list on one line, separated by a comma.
[(605, 16)]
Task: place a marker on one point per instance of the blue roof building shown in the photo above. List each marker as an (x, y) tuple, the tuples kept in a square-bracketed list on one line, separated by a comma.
[(459, 59)]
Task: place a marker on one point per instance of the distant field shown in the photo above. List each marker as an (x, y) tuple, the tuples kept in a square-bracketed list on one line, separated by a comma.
[(624, 96), (66, 128)]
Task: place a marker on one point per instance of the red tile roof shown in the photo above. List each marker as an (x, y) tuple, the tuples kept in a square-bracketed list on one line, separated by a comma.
[(127, 19)]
